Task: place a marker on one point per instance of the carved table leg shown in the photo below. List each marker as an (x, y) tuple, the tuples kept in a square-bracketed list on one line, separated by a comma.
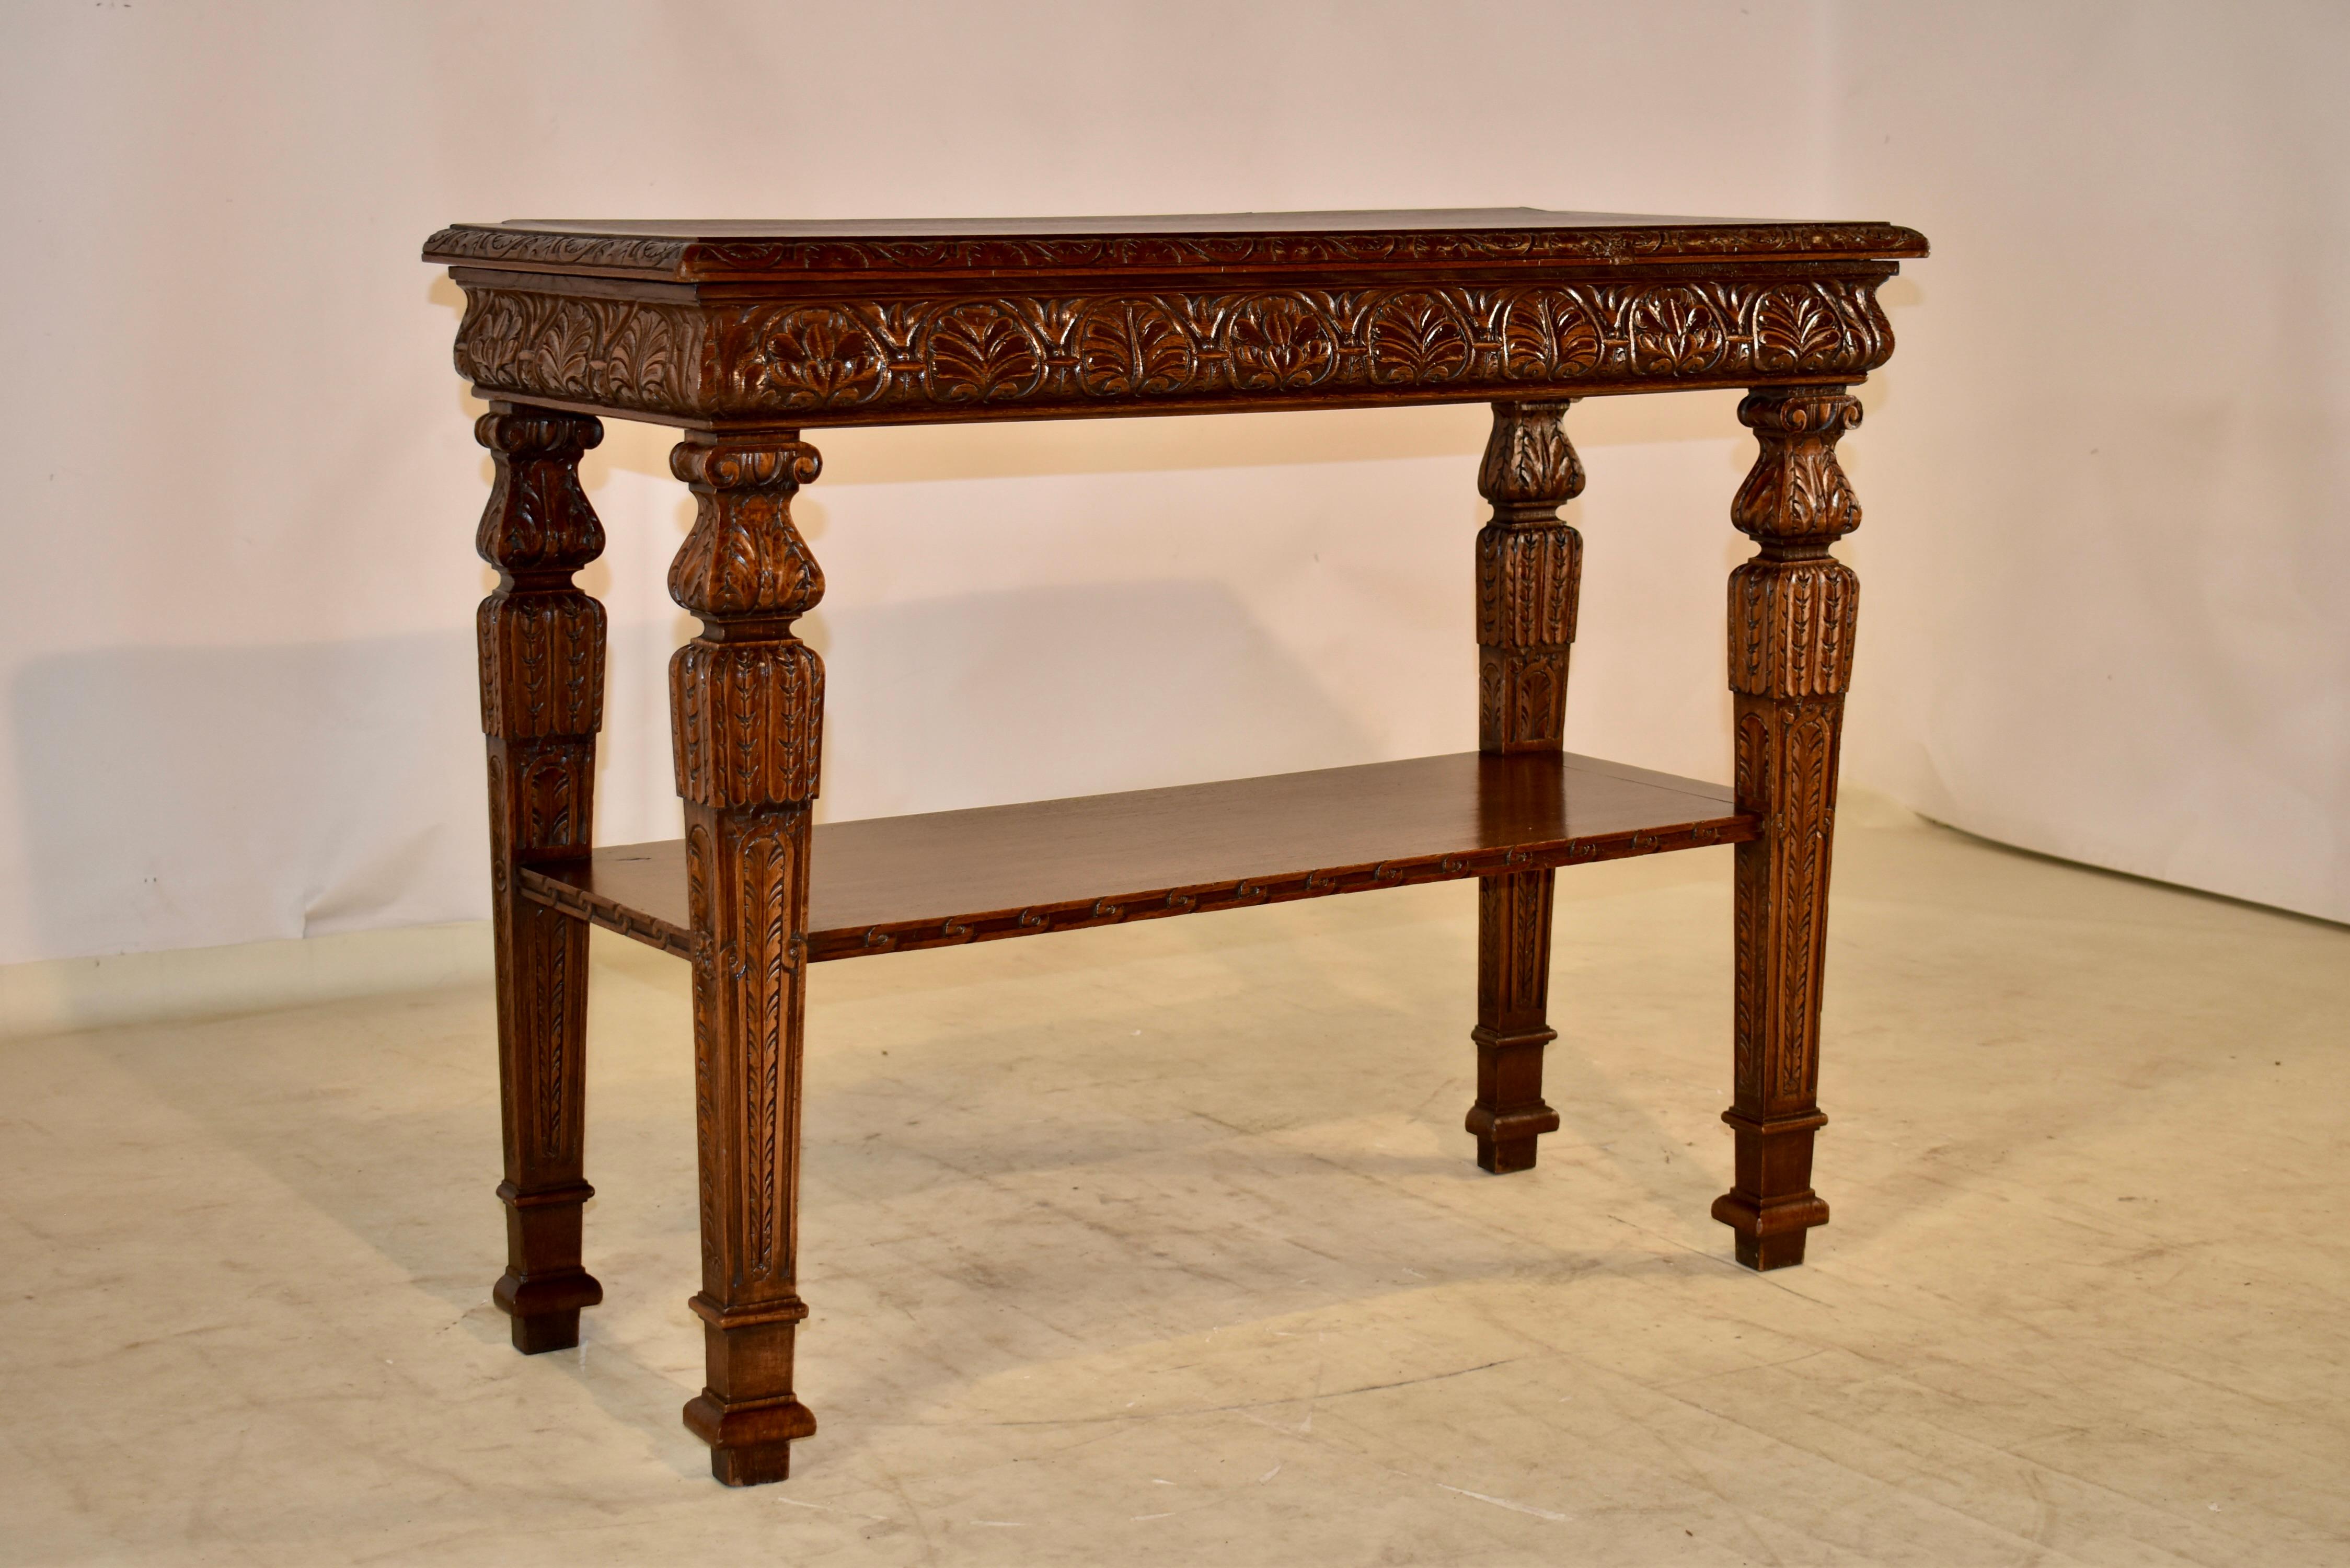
[(746, 705), (542, 651), (1529, 565), (1791, 610)]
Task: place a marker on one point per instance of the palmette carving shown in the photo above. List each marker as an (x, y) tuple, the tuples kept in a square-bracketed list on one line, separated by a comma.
[(960, 356), (1793, 612)]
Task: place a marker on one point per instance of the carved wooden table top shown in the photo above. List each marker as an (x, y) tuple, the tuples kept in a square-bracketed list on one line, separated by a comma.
[(750, 334), (895, 323)]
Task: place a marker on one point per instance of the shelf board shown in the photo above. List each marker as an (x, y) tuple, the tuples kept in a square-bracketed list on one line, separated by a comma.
[(893, 884)]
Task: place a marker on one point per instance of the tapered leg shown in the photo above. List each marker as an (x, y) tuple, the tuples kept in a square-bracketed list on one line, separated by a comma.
[(542, 656), (747, 701), (1791, 610), (1513, 988), (1529, 565)]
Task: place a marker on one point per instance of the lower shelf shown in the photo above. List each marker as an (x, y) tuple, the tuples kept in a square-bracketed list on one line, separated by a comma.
[(896, 883)]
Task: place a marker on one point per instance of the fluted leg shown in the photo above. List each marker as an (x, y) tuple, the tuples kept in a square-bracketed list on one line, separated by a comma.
[(1791, 610), (542, 656), (1529, 565), (747, 701)]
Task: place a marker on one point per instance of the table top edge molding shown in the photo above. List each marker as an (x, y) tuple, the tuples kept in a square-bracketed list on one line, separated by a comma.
[(720, 251)]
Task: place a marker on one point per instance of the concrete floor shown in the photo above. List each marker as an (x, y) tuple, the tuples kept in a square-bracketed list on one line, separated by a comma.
[(1163, 1244)]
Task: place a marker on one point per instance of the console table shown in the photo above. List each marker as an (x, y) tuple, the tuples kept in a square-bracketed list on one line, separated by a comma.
[(746, 334)]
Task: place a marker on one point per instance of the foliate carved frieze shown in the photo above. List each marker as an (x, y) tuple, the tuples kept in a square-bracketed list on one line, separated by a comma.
[(620, 353), (1791, 624), (748, 720), (851, 360), (1796, 493), (688, 259), (1266, 345)]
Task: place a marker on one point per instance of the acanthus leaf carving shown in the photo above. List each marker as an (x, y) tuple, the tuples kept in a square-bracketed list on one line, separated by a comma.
[(1791, 624), (1796, 494), (748, 720), (743, 555), (1529, 572)]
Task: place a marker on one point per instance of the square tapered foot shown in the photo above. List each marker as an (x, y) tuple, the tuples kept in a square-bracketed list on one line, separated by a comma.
[(1501, 1155), (1505, 1139), (755, 1465), (1784, 1250), (547, 1331)]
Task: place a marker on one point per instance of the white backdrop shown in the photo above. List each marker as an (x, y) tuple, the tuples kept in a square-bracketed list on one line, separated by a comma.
[(2106, 562)]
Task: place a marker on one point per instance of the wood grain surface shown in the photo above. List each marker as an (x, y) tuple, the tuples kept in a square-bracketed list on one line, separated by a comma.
[(892, 884)]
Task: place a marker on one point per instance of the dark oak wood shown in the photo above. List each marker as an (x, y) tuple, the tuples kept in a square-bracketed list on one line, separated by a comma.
[(1529, 572), (744, 334), (895, 884), (727, 324), (542, 653), (1791, 610), (747, 707)]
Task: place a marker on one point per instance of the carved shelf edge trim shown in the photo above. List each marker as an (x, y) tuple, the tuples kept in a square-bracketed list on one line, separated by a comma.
[(1080, 914), (976, 356), (566, 898), (678, 259)]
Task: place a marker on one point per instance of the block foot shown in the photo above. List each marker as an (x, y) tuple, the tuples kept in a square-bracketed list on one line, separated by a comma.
[(1500, 1157), (548, 1331), (1784, 1250), (546, 1307)]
